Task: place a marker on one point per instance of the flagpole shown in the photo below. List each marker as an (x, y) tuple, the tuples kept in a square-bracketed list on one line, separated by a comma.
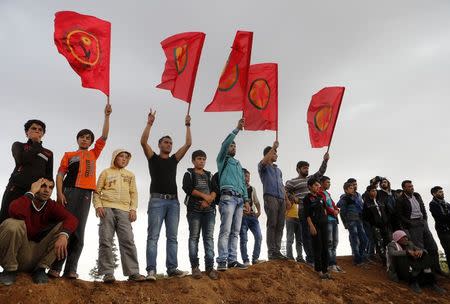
[(107, 100), (189, 109)]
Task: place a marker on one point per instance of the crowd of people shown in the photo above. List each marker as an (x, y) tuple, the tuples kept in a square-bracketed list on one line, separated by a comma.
[(45, 237)]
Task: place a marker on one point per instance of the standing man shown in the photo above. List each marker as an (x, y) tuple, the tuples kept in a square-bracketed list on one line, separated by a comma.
[(296, 189), (250, 222), (440, 210), (333, 230), (164, 204), (32, 161), (274, 200), (233, 200), (413, 219)]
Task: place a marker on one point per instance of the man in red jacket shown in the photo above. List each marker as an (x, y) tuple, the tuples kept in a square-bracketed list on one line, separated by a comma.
[(35, 234)]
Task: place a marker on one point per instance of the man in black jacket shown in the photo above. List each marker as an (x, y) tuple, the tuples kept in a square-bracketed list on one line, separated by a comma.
[(374, 212), (440, 210), (413, 219), (32, 161)]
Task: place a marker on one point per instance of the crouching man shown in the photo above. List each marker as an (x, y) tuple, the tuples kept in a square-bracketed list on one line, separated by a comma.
[(35, 235)]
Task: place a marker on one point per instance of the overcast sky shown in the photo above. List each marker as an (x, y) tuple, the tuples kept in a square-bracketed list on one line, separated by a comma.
[(392, 57)]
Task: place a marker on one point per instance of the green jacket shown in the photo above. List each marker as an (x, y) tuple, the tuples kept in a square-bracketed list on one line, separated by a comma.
[(232, 177)]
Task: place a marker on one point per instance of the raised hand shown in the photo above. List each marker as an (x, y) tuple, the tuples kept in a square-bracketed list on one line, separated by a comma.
[(326, 156), (36, 186), (151, 117), (187, 121), (241, 124), (108, 110)]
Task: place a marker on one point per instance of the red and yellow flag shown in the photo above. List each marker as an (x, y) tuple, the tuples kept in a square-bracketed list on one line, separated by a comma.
[(85, 41), (261, 102), (230, 93), (183, 53), (322, 115)]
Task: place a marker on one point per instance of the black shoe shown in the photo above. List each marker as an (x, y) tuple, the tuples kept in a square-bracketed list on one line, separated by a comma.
[(177, 273), (221, 266), (438, 289), (39, 276), (279, 256), (8, 277), (237, 265), (415, 287)]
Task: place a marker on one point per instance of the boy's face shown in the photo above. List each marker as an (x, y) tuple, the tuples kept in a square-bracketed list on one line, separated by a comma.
[(373, 193), (122, 160), (350, 190), (326, 184), (247, 178), (315, 188), (84, 141), (35, 132), (199, 162)]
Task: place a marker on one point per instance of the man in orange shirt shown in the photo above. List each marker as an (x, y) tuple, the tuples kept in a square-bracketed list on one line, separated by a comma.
[(74, 185)]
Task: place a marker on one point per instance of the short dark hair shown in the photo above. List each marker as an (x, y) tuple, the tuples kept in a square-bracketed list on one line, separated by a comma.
[(164, 137), (351, 180), (28, 124), (371, 187), (435, 189), (324, 178), (407, 181), (302, 163), (245, 171), (267, 150), (312, 181), (347, 185), (198, 153), (86, 132)]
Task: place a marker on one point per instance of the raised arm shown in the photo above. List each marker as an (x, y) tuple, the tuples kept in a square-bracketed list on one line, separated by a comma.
[(182, 151), (105, 130), (146, 133), (266, 159), (323, 167), (226, 144)]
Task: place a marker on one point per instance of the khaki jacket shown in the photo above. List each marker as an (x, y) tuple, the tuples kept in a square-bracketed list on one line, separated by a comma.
[(116, 188)]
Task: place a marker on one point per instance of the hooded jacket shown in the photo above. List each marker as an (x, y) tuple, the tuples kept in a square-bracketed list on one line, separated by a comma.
[(116, 188)]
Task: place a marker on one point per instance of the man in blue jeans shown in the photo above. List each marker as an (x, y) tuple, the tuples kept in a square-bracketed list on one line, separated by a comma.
[(163, 205), (233, 195), (201, 214), (351, 216), (274, 200), (250, 221)]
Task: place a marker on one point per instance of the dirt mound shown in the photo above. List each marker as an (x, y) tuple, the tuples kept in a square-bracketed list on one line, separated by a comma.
[(271, 282)]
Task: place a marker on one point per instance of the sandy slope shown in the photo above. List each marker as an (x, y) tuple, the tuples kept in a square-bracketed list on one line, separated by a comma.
[(271, 282)]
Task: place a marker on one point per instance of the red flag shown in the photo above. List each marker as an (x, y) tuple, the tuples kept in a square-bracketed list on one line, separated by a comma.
[(322, 115), (183, 53), (85, 41), (230, 93), (261, 102)]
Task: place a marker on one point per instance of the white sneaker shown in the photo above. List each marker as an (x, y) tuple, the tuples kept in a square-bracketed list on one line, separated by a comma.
[(247, 263), (151, 276)]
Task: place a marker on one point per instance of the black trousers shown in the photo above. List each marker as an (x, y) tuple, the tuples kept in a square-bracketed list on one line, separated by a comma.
[(402, 265), (12, 193), (320, 247)]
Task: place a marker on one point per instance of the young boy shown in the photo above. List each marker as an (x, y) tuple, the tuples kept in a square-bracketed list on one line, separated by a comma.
[(250, 221), (32, 161), (317, 219), (74, 185), (351, 217), (201, 214), (115, 202)]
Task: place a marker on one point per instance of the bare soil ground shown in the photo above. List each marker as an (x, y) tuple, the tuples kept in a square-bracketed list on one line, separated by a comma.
[(270, 282)]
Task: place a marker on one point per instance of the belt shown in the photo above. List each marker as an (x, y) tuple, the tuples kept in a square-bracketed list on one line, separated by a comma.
[(163, 196), (230, 192)]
